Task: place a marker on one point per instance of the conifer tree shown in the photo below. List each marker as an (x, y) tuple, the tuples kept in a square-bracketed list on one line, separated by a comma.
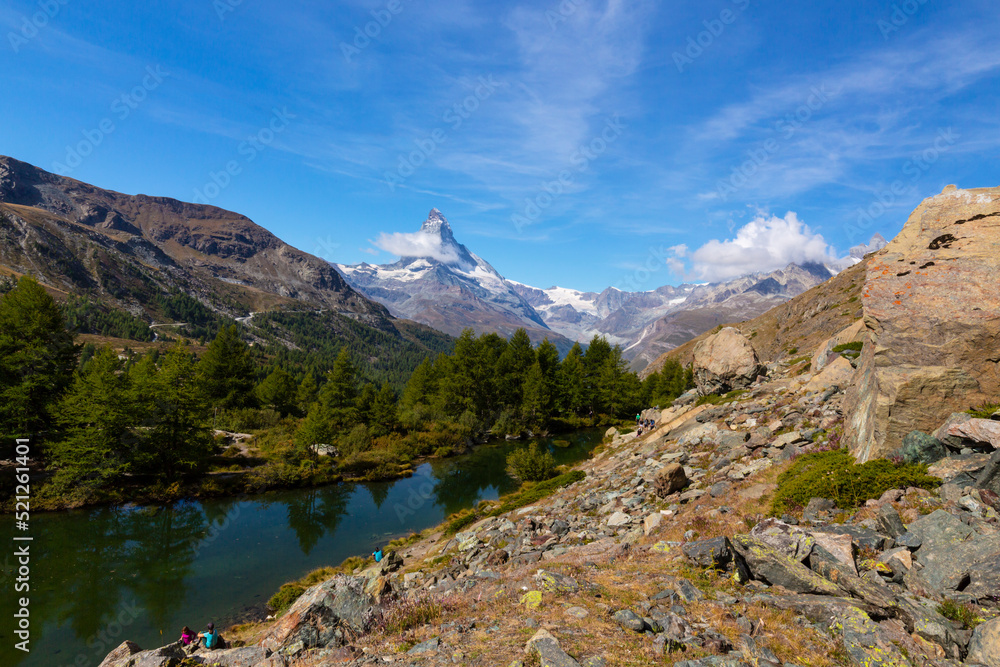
[(227, 371), (98, 419), (37, 360)]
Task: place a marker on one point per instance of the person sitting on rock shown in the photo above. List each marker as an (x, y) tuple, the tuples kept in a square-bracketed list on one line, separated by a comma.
[(211, 637), (377, 555), (187, 636)]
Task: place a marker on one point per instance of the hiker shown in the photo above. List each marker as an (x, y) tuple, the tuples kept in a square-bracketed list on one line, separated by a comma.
[(637, 418), (377, 555), (187, 636), (212, 638)]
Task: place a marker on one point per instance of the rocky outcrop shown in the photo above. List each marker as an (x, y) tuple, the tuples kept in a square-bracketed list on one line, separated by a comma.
[(932, 314), (324, 616), (725, 361)]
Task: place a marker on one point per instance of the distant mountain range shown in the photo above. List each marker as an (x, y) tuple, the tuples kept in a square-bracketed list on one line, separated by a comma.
[(450, 288)]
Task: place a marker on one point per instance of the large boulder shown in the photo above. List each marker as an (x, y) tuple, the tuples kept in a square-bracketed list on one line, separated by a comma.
[(984, 647), (932, 313), (766, 563), (670, 479), (326, 615), (725, 361)]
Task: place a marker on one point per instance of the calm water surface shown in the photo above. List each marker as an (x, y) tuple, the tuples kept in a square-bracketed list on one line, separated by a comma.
[(104, 575)]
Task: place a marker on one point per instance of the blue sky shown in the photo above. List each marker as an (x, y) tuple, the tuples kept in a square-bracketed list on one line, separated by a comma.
[(583, 143)]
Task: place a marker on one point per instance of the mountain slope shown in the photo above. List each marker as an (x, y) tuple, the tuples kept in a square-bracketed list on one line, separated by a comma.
[(82, 237), (166, 261), (449, 288)]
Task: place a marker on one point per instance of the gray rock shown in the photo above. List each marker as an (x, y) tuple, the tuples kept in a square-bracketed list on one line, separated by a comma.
[(952, 551), (919, 447), (989, 478), (815, 506), (889, 521), (429, 646), (984, 647), (909, 540), (766, 563), (559, 527), (322, 615), (548, 650), (720, 489), (713, 553), (688, 591), (629, 620)]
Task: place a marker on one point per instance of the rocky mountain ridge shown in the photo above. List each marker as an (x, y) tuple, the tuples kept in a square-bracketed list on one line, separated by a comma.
[(450, 288)]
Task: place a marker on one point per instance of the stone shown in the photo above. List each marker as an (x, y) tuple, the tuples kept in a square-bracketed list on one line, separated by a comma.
[(610, 433), (919, 447), (901, 554), (824, 354), (532, 600), (955, 467), (323, 616), (766, 563), (954, 556), (725, 361), (714, 553), (838, 373), (931, 353), (619, 519), (429, 646), (941, 432), (629, 620), (865, 538), (719, 489), (815, 507), (784, 537), (786, 439), (909, 540), (554, 582), (889, 521), (577, 612), (989, 478), (841, 547), (548, 650), (984, 431), (670, 479), (651, 523), (984, 647), (118, 656), (688, 591)]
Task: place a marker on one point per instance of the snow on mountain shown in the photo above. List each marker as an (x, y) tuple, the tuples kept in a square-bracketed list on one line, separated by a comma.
[(441, 283)]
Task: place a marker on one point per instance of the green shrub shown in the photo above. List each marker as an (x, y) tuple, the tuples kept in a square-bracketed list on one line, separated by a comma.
[(285, 597), (836, 476), (532, 464), (460, 520), (849, 347), (984, 411), (964, 614), (535, 493)]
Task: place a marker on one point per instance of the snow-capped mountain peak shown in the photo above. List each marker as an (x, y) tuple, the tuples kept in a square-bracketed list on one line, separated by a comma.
[(440, 282)]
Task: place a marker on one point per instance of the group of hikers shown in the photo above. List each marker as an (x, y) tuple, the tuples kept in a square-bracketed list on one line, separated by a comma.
[(643, 425), (210, 638)]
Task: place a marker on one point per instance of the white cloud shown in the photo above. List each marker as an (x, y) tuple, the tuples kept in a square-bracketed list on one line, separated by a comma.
[(417, 244), (763, 244)]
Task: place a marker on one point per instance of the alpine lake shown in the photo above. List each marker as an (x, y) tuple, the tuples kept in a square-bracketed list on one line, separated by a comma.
[(102, 575)]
